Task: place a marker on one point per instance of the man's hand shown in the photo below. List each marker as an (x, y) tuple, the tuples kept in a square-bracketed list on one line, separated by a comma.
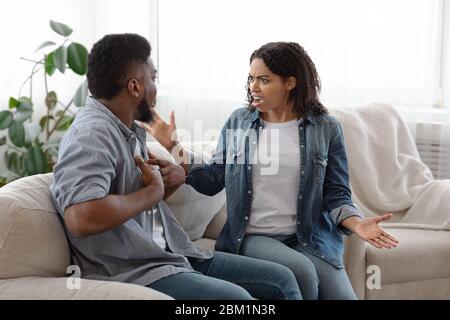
[(173, 175), (368, 230), (150, 174)]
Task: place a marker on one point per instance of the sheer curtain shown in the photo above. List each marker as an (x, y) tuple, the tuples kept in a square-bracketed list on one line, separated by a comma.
[(365, 51), (25, 25)]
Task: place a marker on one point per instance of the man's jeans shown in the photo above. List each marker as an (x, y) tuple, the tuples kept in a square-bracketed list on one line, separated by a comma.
[(231, 277), (317, 279)]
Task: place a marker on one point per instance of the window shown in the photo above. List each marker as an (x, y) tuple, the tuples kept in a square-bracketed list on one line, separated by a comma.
[(365, 51)]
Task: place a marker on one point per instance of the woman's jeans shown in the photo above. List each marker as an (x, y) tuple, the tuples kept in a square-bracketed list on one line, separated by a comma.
[(317, 279), (231, 277)]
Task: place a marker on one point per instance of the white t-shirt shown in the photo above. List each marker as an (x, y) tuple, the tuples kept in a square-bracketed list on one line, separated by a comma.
[(156, 227), (276, 178)]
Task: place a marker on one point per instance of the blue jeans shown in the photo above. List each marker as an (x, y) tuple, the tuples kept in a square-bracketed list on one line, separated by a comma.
[(317, 279), (231, 277)]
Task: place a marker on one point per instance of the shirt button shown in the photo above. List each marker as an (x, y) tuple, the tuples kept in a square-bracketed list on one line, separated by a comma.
[(246, 218), (298, 222), (301, 128), (249, 191), (304, 244), (254, 142), (303, 172), (302, 146), (322, 256), (249, 168), (239, 239), (300, 197)]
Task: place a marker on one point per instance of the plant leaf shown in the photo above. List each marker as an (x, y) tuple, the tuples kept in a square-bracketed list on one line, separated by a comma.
[(45, 44), (16, 133), (13, 103), (32, 131), (35, 160), (80, 96), (60, 58), (43, 121), (6, 118), (3, 181), (50, 63), (61, 28), (51, 99), (24, 109), (77, 56), (25, 102), (2, 141), (12, 161), (65, 123)]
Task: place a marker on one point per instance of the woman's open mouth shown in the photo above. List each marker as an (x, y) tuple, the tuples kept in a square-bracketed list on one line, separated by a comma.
[(257, 101)]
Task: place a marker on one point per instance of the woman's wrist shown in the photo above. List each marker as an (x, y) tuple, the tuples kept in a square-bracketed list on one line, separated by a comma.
[(352, 223), (172, 145)]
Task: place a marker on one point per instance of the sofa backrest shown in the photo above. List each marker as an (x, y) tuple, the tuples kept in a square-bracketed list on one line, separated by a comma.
[(32, 239)]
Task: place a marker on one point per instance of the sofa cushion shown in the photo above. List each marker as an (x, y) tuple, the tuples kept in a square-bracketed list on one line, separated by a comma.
[(193, 210), (32, 288), (32, 239), (420, 255)]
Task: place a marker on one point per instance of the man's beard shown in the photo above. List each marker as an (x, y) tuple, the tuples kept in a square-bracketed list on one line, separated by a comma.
[(145, 114)]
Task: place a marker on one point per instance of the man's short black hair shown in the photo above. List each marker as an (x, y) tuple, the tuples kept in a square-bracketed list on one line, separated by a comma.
[(110, 59)]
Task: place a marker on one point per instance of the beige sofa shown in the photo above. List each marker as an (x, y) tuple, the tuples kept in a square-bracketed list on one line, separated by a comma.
[(34, 253)]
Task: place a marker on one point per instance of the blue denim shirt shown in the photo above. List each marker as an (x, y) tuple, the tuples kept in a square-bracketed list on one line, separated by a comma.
[(324, 198)]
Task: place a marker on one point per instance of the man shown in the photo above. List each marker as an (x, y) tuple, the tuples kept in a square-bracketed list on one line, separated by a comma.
[(110, 196)]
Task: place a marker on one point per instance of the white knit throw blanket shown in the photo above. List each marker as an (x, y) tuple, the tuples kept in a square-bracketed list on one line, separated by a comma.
[(386, 173)]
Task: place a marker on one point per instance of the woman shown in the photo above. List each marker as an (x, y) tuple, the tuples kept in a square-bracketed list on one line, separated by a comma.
[(282, 161)]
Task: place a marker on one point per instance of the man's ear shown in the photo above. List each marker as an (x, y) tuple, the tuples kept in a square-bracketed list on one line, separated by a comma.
[(134, 87), (291, 83)]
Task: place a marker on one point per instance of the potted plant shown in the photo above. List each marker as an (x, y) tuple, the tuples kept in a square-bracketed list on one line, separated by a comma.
[(32, 144)]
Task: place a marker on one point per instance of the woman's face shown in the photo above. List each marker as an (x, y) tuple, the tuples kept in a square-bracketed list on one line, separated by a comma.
[(270, 92)]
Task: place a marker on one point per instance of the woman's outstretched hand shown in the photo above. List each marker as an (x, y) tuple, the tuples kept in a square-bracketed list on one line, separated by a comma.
[(162, 131), (368, 230)]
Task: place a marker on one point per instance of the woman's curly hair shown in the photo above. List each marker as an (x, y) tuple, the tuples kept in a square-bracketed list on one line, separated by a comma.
[(289, 59), (110, 59)]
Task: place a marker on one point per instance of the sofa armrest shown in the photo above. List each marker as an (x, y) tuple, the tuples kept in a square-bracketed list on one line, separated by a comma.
[(355, 264), (40, 288)]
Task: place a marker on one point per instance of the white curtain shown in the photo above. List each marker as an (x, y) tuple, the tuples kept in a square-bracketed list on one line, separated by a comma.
[(365, 51), (24, 25)]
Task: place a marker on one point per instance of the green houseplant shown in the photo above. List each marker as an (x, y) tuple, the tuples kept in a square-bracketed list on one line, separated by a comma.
[(32, 144)]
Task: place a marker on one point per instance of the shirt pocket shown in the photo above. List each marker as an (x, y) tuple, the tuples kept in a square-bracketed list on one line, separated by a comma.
[(320, 166), (235, 152), (234, 159)]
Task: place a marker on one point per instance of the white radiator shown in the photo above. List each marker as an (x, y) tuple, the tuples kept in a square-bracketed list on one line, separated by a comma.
[(433, 144)]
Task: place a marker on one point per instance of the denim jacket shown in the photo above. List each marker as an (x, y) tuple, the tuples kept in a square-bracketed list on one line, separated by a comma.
[(324, 197)]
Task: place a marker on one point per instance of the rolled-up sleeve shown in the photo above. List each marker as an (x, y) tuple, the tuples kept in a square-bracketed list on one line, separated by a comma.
[(85, 168), (209, 178), (340, 214), (336, 192)]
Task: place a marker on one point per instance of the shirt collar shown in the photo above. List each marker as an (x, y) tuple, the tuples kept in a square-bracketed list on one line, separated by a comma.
[(91, 102)]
